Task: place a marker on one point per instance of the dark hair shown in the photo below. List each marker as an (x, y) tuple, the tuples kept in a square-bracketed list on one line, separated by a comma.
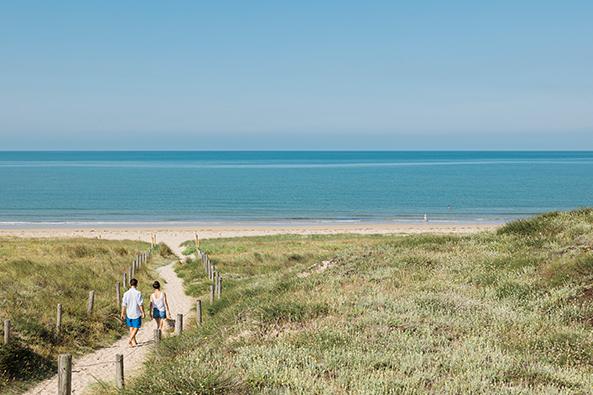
[(156, 285), (133, 282)]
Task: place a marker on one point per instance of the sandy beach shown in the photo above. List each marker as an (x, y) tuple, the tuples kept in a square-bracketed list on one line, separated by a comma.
[(174, 235)]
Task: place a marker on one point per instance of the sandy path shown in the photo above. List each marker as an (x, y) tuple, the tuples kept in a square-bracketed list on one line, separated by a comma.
[(100, 365)]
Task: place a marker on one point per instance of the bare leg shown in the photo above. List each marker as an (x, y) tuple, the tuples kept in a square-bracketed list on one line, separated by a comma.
[(158, 322), (131, 341), (133, 333)]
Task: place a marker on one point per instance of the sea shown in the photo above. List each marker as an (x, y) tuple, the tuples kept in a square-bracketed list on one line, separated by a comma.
[(92, 188)]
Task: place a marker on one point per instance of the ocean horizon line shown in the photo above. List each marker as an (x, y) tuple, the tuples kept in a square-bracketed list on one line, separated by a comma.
[(476, 150)]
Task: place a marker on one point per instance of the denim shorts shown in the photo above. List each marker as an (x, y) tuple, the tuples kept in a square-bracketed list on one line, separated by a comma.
[(158, 314), (134, 322)]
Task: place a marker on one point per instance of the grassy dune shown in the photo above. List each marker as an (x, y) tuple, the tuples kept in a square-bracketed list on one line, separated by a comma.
[(504, 312), (37, 274)]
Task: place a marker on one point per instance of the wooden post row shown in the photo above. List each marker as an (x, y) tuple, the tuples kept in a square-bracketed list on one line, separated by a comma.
[(211, 293)]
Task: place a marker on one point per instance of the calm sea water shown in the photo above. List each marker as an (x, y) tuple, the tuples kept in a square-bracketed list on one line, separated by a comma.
[(212, 187)]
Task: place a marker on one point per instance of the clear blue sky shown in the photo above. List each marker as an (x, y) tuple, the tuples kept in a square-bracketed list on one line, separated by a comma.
[(296, 74)]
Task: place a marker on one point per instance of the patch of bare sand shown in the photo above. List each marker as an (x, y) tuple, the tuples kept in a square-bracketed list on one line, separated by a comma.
[(173, 235)]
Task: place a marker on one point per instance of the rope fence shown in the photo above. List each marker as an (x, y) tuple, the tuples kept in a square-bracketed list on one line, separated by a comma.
[(65, 366)]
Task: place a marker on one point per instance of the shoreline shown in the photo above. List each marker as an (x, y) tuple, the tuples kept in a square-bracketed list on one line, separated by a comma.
[(15, 225), (178, 234)]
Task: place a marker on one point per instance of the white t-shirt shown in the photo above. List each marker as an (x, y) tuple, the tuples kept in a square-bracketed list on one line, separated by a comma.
[(159, 303), (132, 300)]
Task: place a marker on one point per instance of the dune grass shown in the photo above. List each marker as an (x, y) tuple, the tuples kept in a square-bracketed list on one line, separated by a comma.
[(37, 274), (504, 312)]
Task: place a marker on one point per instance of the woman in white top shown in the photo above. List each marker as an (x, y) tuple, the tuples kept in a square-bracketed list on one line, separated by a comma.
[(159, 306)]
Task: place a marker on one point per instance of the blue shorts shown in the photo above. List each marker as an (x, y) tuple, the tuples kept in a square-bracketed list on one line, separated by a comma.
[(158, 314), (134, 322)]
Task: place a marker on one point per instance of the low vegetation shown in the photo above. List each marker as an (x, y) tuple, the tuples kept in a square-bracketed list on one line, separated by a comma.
[(499, 312), (37, 274)]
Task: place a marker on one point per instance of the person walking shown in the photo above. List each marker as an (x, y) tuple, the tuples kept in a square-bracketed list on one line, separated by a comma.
[(132, 310), (159, 306)]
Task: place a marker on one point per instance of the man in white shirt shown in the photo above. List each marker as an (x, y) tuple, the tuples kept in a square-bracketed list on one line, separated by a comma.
[(132, 310)]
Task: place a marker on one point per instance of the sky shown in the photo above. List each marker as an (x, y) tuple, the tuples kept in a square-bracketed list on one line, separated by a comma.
[(397, 75)]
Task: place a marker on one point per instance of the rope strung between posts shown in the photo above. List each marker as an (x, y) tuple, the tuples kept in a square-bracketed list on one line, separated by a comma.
[(139, 260)]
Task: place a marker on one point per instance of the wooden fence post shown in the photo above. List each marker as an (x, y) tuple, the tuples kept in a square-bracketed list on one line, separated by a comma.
[(6, 331), (215, 282), (117, 295), (91, 303), (132, 272), (59, 319), (219, 290), (179, 324), (119, 371), (125, 280), (199, 312), (211, 293), (64, 374), (157, 336)]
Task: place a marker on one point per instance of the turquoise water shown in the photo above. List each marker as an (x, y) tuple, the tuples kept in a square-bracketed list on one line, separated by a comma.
[(286, 187)]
